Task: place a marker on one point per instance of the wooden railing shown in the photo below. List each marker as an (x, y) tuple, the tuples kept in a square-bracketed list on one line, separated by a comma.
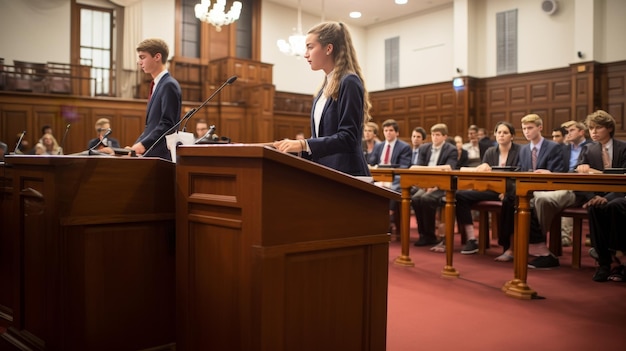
[(50, 77)]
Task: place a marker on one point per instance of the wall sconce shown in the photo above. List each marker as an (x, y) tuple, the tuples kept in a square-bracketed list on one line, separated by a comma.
[(458, 83)]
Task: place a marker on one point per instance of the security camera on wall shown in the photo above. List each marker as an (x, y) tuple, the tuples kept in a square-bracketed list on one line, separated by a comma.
[(549, 6)]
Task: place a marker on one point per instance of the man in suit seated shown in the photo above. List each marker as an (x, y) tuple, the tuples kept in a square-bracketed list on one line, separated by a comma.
[(542, 156), (426, 201), (606, 210), (101, 143), (392, 152)]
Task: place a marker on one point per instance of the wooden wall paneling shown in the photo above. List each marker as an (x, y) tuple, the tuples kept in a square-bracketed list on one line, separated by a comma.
[(8, 247), (15, 120)]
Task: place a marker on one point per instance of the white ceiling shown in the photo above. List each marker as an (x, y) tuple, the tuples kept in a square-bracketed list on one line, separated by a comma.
[(373, 11)]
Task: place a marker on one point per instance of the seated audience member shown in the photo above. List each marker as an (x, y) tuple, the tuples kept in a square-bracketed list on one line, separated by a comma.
[(541, 156), (462, 159), (101, 143), (392, 151), (505, 154), (559, 135), (48, 146), (202, 127), (418, 136), (473, 150), (606, 210), (370, 138), (484, 142), (426, 201), (548, 204)]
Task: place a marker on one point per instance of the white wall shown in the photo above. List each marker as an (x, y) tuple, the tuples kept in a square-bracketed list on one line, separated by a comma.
[(426, 50), (294, 74), (35, 31), (39, 31)]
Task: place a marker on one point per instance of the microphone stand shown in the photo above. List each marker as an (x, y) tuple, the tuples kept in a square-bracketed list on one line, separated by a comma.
[(190, 114), (19, 142), (67, 129), (93, 149)]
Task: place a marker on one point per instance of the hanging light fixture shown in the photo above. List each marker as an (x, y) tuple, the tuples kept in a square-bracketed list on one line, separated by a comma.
[(216, 16), (296, 46)]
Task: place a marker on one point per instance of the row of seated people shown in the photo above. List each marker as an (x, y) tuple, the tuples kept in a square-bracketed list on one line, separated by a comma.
[(48, 145), (540, 155)]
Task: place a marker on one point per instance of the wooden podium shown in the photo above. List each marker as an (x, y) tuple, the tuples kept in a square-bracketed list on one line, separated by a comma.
[(274, 252), (92, 254)]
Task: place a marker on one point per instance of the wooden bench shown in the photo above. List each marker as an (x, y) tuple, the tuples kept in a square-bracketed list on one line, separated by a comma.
[(578, 214)]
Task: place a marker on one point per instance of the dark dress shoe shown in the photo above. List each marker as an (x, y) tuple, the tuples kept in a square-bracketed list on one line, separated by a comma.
[(426, 241), (601, 274)]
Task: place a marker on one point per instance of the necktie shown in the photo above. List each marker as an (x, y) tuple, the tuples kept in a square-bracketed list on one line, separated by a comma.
[(151, 89), (415, 154), (605, 157), (387, 151), (534, 158)]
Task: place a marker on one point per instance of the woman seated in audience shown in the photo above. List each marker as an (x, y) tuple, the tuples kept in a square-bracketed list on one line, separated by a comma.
[(48, 146), (504, 154)]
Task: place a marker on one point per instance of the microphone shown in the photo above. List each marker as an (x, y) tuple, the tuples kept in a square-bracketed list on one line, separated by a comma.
[(190, 113), (67, 129), (109, 131), (19, 142), (209, 134)]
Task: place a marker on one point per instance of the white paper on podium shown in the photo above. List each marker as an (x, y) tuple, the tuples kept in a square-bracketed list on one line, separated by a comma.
[(173, 139)]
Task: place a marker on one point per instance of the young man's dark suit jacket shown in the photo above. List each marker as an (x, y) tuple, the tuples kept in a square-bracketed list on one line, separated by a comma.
[(162, 113), (591, 154), (341, 150), (448, 155), (567, 153), (550, 157), (401, 155)]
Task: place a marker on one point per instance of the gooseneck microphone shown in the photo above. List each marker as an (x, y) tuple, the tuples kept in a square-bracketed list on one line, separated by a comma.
[(67, 129), (19, 142), (104, 137), (189, 114)]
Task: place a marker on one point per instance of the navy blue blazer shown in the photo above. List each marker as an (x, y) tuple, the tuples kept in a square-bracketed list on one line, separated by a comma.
[(338, 143), (550, 157), (400, 156), (591, 154), (162, 113), (567, 153), (447, 156)]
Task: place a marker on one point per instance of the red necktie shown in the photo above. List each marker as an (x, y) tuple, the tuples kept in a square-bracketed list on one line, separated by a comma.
[(386, 159), (151, 89), (534, 158), (605, 157)]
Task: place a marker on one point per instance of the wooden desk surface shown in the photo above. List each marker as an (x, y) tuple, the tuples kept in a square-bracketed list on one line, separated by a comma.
[(526, 183)]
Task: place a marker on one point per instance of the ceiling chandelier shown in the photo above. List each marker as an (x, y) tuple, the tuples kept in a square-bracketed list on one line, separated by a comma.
[(216, 16), (296, 46)]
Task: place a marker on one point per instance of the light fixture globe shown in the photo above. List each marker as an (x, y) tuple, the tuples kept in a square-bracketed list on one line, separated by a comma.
[(216, 15)]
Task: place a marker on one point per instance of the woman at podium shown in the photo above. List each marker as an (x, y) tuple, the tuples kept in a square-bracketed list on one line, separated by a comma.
[(341, 106)]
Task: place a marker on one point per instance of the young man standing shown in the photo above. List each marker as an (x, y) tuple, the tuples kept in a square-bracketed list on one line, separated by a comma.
[(164, 101)]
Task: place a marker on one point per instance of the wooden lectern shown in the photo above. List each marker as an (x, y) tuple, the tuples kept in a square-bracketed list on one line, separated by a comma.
[(274, 252), (92, 254)]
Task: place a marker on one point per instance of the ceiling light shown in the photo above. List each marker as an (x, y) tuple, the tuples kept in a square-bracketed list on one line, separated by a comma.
[(401, 2), (355, 14), (296, 46), (217, 16)]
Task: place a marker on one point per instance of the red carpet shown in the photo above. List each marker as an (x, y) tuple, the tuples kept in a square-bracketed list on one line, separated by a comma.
[(428, 312)]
